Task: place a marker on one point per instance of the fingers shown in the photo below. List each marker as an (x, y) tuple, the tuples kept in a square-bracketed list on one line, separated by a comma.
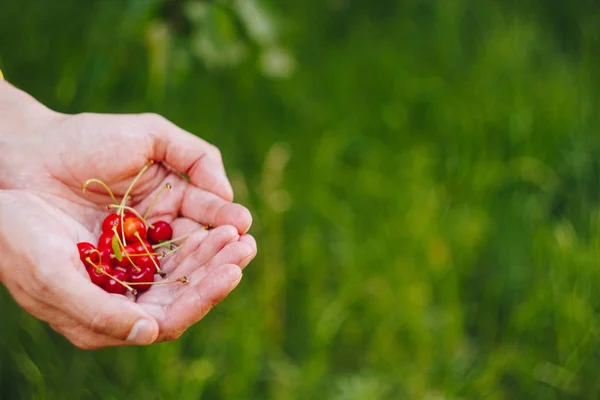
[(233, 253), (190, 245), (190, 155), (209, 209), (198, 299), (99, 312), (185, 226), (239, 253), (248, 239), (198, 251)]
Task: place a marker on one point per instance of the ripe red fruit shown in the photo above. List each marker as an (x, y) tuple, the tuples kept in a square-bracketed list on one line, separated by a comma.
[(146, 262), (161, 232), (141, 275), (125, 261), (106, 256), (109, 222), (131, 226), (87, 250), (112, 286), (139, 249), (96, 276), (105, 240)]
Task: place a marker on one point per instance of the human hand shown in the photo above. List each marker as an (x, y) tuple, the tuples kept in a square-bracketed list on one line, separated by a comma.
[(43, 214)]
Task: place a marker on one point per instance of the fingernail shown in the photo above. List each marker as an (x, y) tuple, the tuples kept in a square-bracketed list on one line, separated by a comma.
[(142, 333), (234, 278), (228, 188)]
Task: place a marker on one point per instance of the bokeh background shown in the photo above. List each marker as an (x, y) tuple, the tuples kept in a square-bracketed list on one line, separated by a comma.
[(424, 176)]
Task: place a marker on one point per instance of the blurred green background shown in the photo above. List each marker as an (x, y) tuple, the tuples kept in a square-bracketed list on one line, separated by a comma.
[(424, 177)]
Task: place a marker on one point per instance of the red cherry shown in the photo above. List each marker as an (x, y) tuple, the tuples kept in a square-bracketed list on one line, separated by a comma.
[(114, 220), (140, 249), (125, 261), (87, 250), (112, 286), (110, 221), (131, 226), (157, 260), (97, 277), (141, 275), (161, 232), (146, 262), (105, 240), (106, 256)]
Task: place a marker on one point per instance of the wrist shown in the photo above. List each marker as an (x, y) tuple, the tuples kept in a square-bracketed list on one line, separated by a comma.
[(19, 111)]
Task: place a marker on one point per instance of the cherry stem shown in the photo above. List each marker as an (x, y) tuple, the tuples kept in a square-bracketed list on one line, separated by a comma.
[(137, 177), (160, 271), (104, 185), (98, 269), (183, 279), (123, 249), (166, 242), (109, 206), (141, 255), (171, 252), (96, 251), (162, 189)]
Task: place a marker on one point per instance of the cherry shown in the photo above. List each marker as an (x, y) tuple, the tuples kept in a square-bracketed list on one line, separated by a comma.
[(87, 249), (143, 275), (139, 249), (131, 226), (115, 220), (146, 261), (112, 286), (136, 239), (161, 232), (110, 221), (105, 240), (106, 256), (96, 275), (129, 249)]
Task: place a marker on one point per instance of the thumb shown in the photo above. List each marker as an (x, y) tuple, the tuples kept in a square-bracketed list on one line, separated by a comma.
[(103, 313)]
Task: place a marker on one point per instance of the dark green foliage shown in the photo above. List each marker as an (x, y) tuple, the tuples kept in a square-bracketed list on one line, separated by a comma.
[(424, 177)]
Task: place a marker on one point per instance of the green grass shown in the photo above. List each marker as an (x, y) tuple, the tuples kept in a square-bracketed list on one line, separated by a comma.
[(424, 185)]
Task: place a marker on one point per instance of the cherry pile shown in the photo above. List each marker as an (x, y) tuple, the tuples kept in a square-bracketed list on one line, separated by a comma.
[(130, 251)]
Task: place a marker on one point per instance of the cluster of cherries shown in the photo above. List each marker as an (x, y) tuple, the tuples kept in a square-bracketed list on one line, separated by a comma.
[(129, 251)]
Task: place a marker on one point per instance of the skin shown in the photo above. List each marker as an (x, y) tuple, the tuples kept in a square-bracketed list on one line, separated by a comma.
[(46, 156)]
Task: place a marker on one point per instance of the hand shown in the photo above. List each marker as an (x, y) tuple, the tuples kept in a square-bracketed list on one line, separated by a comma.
[(43, 214)]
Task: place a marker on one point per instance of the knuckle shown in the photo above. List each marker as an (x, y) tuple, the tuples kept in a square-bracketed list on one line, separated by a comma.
[(81, 345), (153, 119), (215, 152), (173, 335), (80, 342), (99, 323), (41, 284), (225, 232)]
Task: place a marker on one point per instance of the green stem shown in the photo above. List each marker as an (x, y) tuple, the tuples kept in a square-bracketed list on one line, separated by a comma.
[(167, 186), (99, 182), (137, 177), (166, 242)]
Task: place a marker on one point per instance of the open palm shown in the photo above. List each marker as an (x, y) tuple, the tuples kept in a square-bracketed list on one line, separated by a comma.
[(45, 214)]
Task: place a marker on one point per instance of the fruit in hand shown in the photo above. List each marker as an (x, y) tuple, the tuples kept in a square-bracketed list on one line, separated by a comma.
[(114, 284), (161, 231), (125, 259)]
